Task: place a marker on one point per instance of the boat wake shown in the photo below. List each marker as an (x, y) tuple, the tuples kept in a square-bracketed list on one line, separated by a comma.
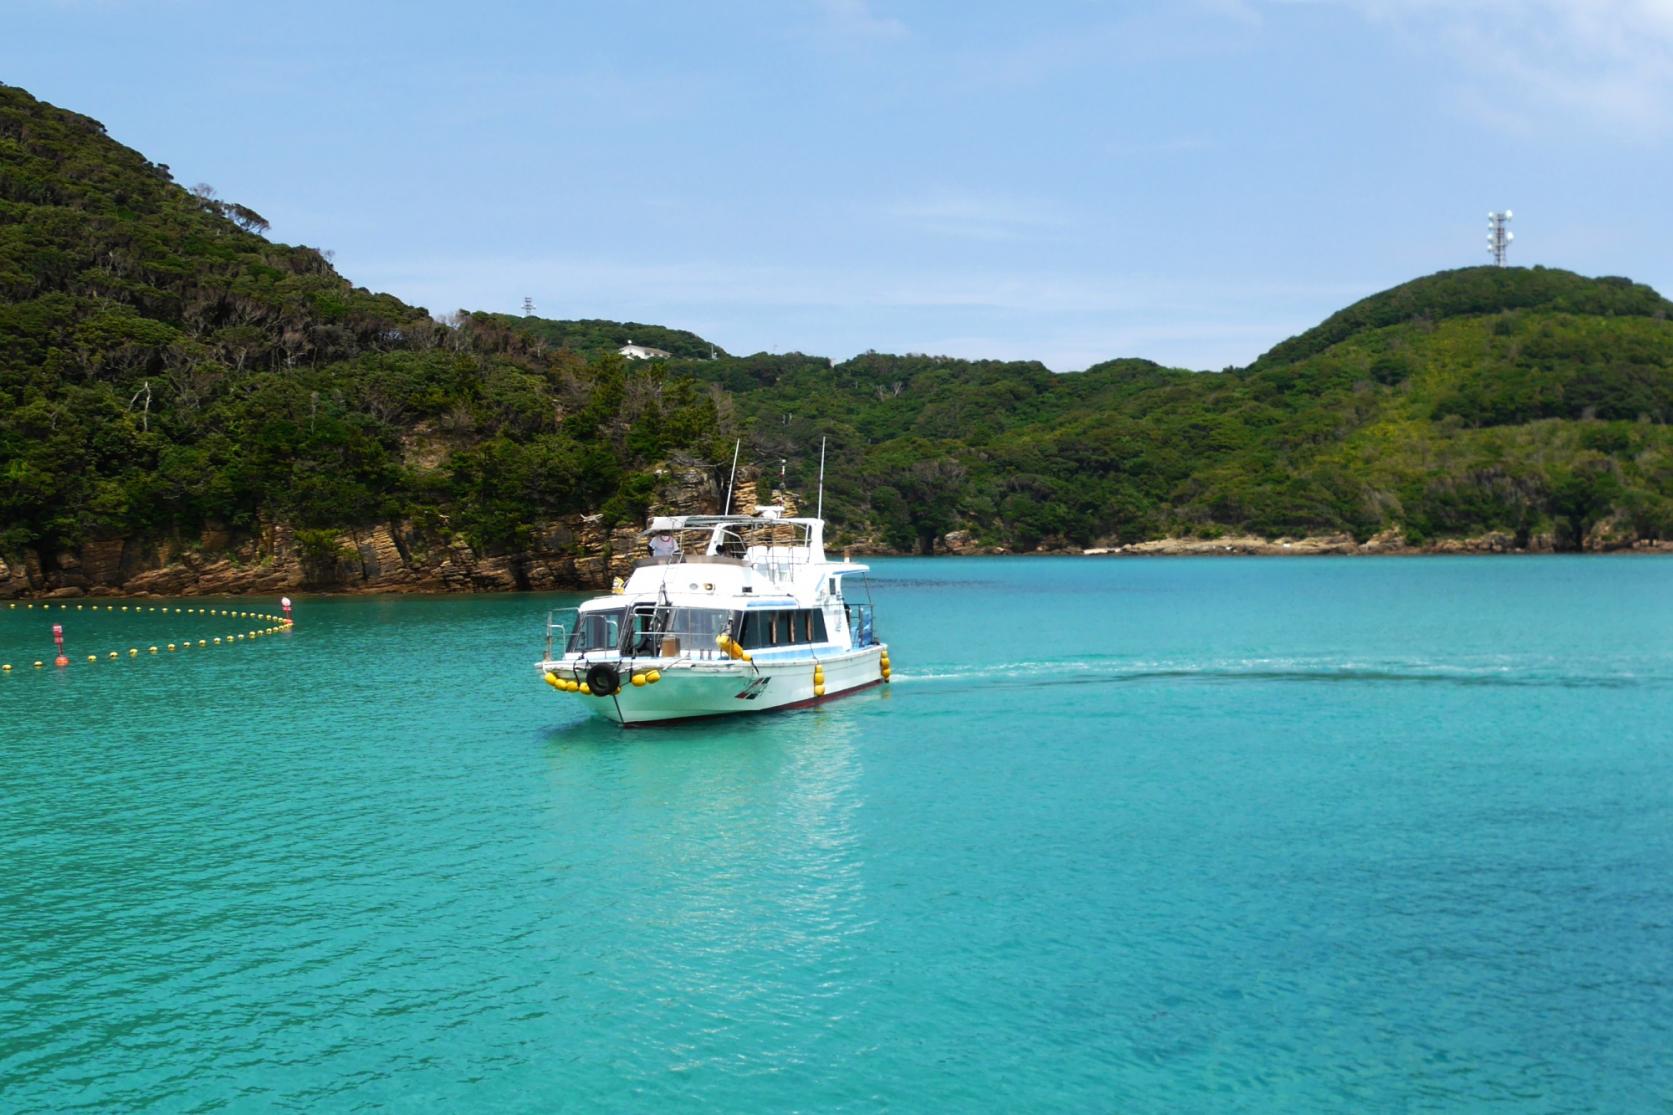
[(1095, 671)]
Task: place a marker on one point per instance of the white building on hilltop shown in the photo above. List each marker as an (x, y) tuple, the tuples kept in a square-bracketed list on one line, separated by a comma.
[(642, 352)]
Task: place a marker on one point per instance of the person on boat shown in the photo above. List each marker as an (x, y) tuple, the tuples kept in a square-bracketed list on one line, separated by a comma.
[(663, 544)]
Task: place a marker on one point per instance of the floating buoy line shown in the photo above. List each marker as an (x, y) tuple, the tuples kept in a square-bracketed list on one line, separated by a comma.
[(272, 625)]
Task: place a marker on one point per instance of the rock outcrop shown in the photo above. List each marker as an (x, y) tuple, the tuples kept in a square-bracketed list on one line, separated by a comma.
[(575, 552)]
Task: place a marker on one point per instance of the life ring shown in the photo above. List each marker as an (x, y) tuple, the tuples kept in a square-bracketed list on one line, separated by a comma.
[(603, 678)]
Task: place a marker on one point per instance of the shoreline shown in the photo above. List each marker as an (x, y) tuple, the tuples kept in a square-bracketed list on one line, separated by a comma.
[(218, 580)]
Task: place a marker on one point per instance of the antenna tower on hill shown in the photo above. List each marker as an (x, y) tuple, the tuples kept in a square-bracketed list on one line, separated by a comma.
[(1498, 236), (528, 306)]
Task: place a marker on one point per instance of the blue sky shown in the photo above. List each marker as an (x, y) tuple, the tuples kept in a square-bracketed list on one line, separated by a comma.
[(1189, 181)]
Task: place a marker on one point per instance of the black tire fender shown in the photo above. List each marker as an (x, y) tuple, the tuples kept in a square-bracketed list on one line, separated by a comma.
[(603, 679)]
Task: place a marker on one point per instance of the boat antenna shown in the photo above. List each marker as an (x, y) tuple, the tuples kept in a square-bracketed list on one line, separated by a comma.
[(727, 510), (820, 514)]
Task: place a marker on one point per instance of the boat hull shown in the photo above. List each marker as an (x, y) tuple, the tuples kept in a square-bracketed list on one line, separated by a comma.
[(695, 690)]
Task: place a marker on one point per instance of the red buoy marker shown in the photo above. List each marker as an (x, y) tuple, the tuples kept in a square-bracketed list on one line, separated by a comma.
[(58, 637), (284, 601)]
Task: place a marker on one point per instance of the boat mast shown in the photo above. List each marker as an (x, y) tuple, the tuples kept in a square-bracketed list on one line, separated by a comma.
[(727, 510), (820, 514)]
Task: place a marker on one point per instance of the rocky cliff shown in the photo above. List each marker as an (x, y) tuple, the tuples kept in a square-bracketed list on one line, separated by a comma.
[(573, 552)]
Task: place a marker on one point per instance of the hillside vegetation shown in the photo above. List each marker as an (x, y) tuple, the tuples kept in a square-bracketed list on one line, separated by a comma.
[(166, 370), (1530, 402)]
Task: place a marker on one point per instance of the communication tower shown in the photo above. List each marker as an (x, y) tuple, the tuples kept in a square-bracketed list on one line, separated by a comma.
[(528, 306), (1498, 236)]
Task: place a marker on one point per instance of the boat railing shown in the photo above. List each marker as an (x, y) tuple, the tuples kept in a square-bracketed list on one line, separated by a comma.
[(557, 632), (688, 559)]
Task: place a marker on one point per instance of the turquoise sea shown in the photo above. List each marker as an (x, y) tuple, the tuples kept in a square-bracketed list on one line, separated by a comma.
[(1217, 835)]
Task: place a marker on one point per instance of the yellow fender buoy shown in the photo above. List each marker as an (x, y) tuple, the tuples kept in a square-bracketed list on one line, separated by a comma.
[(113, 656), (584, 688), (153, 650), (92, 658)]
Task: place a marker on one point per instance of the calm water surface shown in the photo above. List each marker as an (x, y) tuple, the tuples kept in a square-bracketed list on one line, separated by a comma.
[(1165, 835)]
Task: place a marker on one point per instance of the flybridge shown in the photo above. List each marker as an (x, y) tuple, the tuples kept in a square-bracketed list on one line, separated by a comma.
[(766, 540)]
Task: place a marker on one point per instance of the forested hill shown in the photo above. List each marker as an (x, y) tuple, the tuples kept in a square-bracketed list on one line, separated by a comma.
[(167, 372), (1530, 403)]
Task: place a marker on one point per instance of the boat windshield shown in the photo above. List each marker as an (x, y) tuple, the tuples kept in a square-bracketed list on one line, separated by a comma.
[(597, 631), (670, 631)]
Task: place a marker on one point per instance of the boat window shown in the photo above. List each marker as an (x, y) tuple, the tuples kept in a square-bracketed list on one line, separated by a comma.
[(596, 631), (859, 625), (756, 630), (697, 623), (782, 628)]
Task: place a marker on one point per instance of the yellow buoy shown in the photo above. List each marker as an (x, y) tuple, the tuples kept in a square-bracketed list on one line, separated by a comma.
[(217, 640), (653, 676), (171, 648), (92, 658), (153, 650), (38, 664), (113, 656), (552, 680), (584, 688), (639, 680), (7, 668), (133, 652)]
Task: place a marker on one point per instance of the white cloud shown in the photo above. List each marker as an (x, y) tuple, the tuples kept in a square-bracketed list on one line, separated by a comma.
[(976, 217), (857, 19), (1601, 62)]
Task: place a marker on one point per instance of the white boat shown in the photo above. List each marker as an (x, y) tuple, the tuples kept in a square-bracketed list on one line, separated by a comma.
[(729, 614)]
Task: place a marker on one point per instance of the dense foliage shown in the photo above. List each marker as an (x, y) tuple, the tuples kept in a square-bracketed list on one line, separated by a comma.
[(165, 369), (1437, 409)]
